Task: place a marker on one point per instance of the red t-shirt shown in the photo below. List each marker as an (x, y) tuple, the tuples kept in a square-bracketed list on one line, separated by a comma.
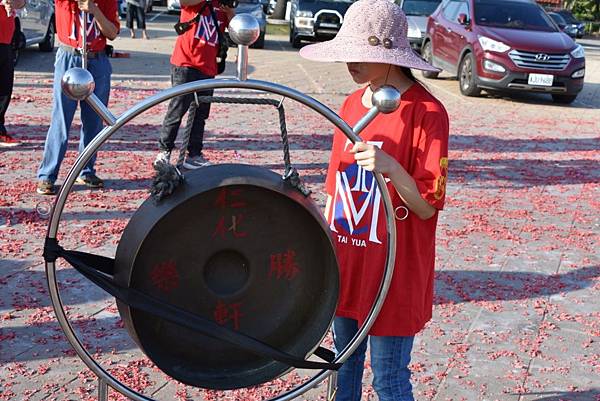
[(7, 26), (69, 19), (198, 47), (416, 135)]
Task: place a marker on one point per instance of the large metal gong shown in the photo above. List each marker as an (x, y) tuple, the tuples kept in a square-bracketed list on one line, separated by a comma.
[(135, 266), (221, 247)]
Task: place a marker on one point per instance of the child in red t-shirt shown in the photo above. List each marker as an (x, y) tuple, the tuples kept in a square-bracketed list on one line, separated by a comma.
[(194, 58), (410, 148)]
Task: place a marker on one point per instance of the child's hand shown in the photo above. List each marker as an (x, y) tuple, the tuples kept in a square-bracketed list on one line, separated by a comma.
[(8, 6), (88, 6), (371, 158)]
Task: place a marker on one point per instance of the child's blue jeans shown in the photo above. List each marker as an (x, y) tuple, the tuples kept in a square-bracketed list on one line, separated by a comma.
[(390, 357), (63, 111)]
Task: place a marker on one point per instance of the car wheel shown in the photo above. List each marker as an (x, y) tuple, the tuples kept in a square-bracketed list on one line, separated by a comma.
[(260, 42), (467, 76), (47, 45), (296, 41), (427, 54), (564, 99)]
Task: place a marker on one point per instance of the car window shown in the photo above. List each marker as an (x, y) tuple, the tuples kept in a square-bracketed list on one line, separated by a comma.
[(420, 7), (454, 8), (450, 12), (558, 19), (568, 17), (513, 15), (463, 8)]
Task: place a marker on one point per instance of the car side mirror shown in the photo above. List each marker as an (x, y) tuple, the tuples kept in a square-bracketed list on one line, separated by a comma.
[(562, 26), (463, 19)]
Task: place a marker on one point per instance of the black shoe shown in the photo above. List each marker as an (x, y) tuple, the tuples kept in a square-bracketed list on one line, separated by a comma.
[(90, 181)]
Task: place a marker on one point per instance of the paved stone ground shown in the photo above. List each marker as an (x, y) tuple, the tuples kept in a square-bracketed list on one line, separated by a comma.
[(517, 310)]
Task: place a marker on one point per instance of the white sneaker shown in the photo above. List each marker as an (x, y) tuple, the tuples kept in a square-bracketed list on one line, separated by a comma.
[(163, 156), (194, 162)]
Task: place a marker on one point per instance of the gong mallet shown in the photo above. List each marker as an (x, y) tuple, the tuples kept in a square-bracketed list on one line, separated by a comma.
[(243, 30), (385, 99), (83, 49), (78, 83)]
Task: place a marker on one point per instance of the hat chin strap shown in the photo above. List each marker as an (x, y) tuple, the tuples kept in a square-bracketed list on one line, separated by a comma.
[(385, 81)]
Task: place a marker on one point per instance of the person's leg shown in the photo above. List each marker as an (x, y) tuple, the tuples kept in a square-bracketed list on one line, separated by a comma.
[(390, 357), (197, 117), (178, 106), (143, 17), (91, 123), (63, 110), (130, 10), (7, 67), (349, 380)]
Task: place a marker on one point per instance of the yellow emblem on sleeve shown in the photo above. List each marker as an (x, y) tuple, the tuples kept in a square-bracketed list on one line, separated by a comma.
[(440, 185)]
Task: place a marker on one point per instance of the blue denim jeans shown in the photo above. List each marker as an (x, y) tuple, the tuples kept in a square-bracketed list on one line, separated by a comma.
[(390, 357), (63, 111)]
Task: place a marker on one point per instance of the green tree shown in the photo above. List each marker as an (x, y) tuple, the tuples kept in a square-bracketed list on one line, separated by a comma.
[(586, 9)]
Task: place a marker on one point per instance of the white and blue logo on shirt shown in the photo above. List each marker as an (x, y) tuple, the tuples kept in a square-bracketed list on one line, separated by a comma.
[(356, 203), (207, 31)]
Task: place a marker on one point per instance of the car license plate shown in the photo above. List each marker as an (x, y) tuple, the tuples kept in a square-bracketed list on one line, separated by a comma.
[(541, 79)]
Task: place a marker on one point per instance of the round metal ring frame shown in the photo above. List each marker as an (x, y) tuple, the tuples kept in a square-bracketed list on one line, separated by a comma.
[(154, 100)]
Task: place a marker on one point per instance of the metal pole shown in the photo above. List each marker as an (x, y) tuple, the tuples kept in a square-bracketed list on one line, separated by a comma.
[(102, 390), (83, 49), (242, 62), (365, 120), (332, 387)]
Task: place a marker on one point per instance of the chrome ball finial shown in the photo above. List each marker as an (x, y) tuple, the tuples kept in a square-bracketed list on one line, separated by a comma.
[(77, 83), (244, 29), (386, 99)]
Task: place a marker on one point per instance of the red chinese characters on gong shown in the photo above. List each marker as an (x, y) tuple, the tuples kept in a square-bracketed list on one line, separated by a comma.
[(228, 313), (164, 276), (232, 224), (283, 265)]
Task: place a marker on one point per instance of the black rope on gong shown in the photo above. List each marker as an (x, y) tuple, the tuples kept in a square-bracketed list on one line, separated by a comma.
[(99, 270), (291, 174)]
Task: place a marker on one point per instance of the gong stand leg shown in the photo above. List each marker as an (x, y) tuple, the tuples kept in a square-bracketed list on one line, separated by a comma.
[(102, 390), (332, 387)]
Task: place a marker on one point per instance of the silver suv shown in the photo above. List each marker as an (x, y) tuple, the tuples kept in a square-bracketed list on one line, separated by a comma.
[(34, 24)]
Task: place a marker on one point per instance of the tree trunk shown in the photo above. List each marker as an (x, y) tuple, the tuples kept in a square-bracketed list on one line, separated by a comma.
[(279, 11)]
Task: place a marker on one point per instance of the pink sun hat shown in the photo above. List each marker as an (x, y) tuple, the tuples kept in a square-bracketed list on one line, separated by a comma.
[(373, 31)]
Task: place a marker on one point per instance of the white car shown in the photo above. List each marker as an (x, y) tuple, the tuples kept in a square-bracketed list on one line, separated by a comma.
[(173, 6), (417, 12), (34, 24)]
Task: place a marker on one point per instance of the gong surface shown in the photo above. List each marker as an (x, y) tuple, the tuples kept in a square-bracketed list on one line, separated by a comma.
[(241, 247)]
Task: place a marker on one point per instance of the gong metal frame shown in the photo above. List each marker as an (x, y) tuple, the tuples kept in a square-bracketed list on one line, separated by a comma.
[(105, 379)]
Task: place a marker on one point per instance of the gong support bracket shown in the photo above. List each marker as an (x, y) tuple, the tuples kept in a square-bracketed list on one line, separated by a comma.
[(80, 86)]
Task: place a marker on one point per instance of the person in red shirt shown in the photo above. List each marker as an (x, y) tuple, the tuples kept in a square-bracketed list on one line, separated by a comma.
[(7, 64), (194, 58), (102, 23), (410, 148)]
